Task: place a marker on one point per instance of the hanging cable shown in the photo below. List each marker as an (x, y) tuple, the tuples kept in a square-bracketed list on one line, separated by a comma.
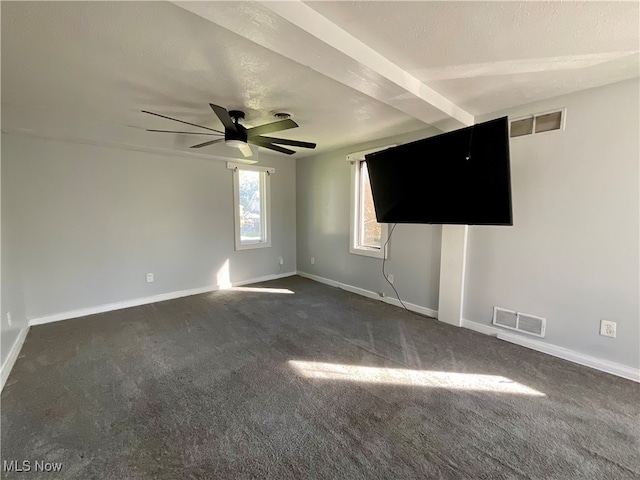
[(384, 261), (468, 157)]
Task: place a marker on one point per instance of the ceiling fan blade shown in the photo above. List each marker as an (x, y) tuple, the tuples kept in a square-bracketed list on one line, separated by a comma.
[(181, 121), (224, 117), (246, 150), (184, 133), (266, 144), (294, 143), (271, 127), (205, 144), (271, 146)]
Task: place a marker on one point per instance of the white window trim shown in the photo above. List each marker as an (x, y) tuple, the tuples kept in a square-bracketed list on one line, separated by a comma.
[(265, 194), (354, 234)]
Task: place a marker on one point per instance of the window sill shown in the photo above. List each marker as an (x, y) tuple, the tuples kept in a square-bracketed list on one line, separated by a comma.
[(368, 252), (250, 246)]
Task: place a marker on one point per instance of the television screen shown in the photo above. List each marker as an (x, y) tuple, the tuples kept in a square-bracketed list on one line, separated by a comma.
[(460, 177)]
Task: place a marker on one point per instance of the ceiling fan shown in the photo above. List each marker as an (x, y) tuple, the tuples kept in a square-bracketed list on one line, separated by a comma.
[(236, 135)]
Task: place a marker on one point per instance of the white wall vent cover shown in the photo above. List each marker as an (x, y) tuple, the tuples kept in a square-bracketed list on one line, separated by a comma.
[(520, 322), (537, 123)]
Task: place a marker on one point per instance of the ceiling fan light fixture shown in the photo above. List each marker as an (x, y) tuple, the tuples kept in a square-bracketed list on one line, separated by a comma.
[(235, 143)]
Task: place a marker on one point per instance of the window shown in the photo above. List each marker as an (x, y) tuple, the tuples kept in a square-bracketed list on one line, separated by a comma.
[(252, 206), (368, 237)]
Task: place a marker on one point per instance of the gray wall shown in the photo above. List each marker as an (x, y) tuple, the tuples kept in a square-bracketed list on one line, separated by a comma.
[(82, 225), (12, 293), (572, 254), (88, 222), (324, 189)]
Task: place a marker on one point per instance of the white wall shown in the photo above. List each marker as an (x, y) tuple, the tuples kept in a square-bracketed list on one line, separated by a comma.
[(572, 254), (86, 223), (324, 189)]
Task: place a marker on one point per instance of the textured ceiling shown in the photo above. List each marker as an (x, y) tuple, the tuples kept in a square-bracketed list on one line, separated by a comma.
[(106, 61), (112, 60), (486, 56)]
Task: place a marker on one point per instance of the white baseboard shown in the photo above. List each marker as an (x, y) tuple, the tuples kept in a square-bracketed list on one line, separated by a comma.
[(12, 357), (265, 278), (82, 312), (481, 328), (606, 366), (613, 368), (369, 294)]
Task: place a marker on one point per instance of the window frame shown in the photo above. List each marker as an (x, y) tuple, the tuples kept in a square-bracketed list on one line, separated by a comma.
[(355, 228), (265, 205)]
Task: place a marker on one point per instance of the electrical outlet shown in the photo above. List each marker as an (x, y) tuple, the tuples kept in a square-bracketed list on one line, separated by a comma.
[(280, 261), (390, 278), (608, 328), (9, 320), (313, 260), (149, 277)]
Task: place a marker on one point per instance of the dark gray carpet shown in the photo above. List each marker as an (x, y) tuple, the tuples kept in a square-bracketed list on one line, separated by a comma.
[(203, 387)]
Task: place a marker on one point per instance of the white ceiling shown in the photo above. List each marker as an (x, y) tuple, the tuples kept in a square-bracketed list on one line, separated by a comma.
[(486, 56), (349, 72)]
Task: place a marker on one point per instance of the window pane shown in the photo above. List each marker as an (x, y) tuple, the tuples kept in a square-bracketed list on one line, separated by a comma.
[(250, 206), (370, 229)]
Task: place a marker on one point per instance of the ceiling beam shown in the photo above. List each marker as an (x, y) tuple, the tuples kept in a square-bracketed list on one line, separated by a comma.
[(306, 18), (296, 31)]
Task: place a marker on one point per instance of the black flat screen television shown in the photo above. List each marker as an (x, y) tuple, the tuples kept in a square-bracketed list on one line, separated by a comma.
[(460, 177)]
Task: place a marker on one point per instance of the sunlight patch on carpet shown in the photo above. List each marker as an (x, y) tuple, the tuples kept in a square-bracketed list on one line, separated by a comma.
[(416, 378), (259, 290)]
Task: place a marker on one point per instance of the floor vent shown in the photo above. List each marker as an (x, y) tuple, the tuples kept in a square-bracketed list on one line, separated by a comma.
[(521, 322), (537, 123)]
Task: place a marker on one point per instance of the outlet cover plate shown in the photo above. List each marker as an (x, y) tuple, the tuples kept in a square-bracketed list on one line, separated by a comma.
[(608, 328), (149, 277)]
